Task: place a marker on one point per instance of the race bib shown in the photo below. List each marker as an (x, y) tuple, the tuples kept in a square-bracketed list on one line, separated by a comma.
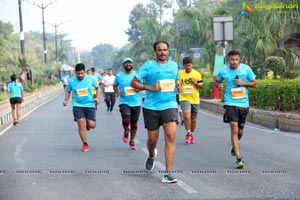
[(167, 85), (238, 93), (129, 91), (82, 92), (187, 89)]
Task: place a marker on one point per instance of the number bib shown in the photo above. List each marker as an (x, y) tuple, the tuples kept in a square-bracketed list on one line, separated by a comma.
[(187, 89), (167, 85), (238, 93), (129, 91), (82, 92)]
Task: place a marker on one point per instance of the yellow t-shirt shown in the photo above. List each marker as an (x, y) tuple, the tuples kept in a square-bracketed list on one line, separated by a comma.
[(94, 90), (190, 93)]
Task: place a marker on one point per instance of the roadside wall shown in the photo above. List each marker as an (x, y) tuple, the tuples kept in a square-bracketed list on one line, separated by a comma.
[(31, 101), (271, 119)]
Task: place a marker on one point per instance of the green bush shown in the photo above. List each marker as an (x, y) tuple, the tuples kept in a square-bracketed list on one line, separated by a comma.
[(281, 95)]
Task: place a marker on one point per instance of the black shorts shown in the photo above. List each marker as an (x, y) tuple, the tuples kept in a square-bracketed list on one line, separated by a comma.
[(153, 119), (82, 112), (133, 112), (236, 114), (15, 100)]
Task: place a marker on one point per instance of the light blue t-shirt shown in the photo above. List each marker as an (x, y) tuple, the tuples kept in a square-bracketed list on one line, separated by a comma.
[(15, 89), (128, 95), (98, 76), (82, 91), (65, 80), (164, 74), (246, 74)]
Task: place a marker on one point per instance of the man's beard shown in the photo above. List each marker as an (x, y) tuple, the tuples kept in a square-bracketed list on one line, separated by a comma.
[(128, 69)]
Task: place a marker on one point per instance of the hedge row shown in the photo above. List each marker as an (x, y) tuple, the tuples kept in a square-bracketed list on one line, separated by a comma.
[(283, 95)]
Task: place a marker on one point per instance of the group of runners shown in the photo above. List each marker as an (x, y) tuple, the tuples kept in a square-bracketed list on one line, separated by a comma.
[(160, 80)]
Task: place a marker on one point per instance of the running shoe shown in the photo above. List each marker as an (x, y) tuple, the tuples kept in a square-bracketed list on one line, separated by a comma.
[(192, 139), (168, 178), (188, 138), (149, 164), (85, 147), (132, 145), (15, 123), (18, 124), (232, 152), (125, 137), (240, 163)]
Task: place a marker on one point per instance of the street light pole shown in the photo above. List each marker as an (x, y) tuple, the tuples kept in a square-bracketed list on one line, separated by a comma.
[(43, 22), (21, 29), (56, 49)]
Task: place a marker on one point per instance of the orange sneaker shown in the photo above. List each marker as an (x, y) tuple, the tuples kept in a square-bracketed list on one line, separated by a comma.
[(85, 147), (192, 139), (132, 145), (188, 138), (125, 137)]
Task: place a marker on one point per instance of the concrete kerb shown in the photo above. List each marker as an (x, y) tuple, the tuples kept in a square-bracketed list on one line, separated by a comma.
[(31, 102), (270, 119)]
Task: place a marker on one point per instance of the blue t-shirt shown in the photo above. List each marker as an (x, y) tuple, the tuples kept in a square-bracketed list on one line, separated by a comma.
[(98, 76), (15, 89), (165, 74), (128, 95), (65, 80), (235, 95), (82, 91)]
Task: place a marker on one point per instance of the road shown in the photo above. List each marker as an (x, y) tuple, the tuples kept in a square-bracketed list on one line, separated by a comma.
[(41, 160)]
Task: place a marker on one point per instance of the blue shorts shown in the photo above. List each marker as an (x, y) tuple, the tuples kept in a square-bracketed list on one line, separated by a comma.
[(153, 119), (82, 112), (185, 105)]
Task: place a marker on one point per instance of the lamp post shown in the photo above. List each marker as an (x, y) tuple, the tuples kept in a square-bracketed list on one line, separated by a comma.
[(43, 7), (55, 27), (21, 28)]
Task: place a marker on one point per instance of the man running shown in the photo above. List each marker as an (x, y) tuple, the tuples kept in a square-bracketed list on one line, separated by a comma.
[(160, 106), (238, 77), (129, 102), (191, 83), (110, 96), (83, 101)]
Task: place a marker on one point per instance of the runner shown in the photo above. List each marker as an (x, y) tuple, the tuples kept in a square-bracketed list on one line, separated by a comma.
[(110, 95), (15, 89), (130, 101), (83, 101), (191, 83), (64, 80), (238, 77), (160, 106)]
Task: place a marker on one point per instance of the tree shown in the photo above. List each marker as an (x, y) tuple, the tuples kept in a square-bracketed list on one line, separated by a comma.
[(103, 55), (275, 64)]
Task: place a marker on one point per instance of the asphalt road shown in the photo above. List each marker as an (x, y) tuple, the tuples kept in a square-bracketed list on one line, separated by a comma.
[(41, 160)]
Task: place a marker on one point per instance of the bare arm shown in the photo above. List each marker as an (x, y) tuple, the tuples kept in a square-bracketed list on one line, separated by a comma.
[(67, 96), (248, 84), (135, 83), (117, 91)]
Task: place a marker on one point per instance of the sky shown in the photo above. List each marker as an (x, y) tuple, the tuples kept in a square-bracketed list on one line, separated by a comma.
[(87, 23)]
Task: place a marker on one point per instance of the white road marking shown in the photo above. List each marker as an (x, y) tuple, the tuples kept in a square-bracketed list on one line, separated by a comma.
[(180, 183)]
